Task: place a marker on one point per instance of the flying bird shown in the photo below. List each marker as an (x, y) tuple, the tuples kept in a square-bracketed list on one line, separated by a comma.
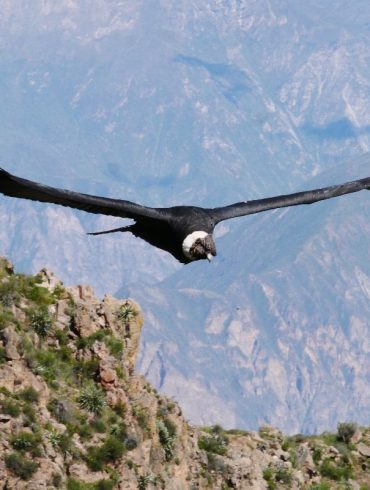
[(186, 232)]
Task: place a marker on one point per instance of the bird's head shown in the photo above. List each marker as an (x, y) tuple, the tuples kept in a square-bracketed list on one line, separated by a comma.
[(199, 245)]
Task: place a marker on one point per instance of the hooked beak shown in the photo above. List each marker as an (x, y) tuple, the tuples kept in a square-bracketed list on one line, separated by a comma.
[(209, 257)]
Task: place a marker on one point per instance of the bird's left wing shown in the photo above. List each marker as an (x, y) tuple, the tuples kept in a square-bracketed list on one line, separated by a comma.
[(13, 186), (307, 197)]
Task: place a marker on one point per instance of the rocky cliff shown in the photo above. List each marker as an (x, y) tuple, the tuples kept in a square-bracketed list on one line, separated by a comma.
[(73, 413)]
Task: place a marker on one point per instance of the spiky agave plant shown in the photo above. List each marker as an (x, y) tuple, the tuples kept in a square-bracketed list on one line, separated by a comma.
[(126, 312), (92, 399)]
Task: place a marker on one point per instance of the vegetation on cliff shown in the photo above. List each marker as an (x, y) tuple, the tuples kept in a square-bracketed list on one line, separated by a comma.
[(73, 413)]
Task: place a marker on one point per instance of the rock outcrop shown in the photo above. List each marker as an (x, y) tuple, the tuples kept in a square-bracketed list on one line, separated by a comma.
[(73, 413)]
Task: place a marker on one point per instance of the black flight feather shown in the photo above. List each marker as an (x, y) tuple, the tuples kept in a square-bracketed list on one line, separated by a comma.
[(11, 185), (166, 228), (307, 197)]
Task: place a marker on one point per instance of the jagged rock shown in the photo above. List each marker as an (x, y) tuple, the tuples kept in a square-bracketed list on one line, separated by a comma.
[(332, 452), (356, 436), (108, 378), (11, 340), (305, 460), (63, 410), (6, 265), (80, 471), (270, 432), (84, 321), (62, 314), (15, 376), (48, 279), (363, 449), (354, 485)]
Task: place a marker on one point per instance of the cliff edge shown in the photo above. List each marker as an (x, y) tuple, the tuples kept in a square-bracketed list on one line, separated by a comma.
[(73, 413)]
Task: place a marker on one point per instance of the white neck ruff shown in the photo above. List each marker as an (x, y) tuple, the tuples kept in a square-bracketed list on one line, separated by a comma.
[(189, 242)]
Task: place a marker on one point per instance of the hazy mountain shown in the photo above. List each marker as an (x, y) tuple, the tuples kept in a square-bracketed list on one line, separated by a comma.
[(276, 329), (171, 102)]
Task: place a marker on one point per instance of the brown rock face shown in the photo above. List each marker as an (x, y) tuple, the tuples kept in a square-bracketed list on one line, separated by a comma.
[(10, 339)]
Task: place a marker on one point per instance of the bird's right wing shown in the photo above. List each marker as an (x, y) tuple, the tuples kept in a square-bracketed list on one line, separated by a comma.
[(306, 197), (13, 186)]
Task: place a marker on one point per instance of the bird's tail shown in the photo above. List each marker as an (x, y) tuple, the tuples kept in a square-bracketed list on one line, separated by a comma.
[(123, 229)]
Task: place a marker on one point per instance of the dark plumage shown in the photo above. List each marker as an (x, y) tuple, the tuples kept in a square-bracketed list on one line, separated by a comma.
[(183, 231)]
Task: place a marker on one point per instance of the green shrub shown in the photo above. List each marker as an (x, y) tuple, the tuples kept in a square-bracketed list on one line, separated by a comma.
[(73, 484), (141, 415), (5, 391), (130, 443), (269, 475), (216, 463), (105, 485), (316, 454), (2, 355), (59, 292), (29, 395), (275, 475), (335, 472), (20, 466), (120, 373), (65, 355), (118, 430), (18, 285), (41, 322), (10, 407), (111, 450), (31, 289), (43, 363), (100, 485), (282, 475), (145, 480), (6, 318), (84, 342), (62, 337), (84, 430), (29, 413), (56, 480), (167, 433), (329, 438), (27, 442), (92, 399), (215, 442), (98, 425), (120, 409), (346, 430), (86, 370), (293, 458), (115, 346), (8, 293), (319, 486), (65, 443), (285, 445), (54, 437)]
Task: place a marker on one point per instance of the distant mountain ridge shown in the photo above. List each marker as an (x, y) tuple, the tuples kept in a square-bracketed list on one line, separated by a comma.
[(259, 346)]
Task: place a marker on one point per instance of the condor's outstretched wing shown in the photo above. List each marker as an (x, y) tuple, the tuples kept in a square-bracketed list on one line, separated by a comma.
[(11, 185), (307, 197)]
